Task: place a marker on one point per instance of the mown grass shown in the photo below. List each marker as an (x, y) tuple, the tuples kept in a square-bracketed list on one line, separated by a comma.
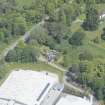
[(22, 3), (96, 49), (9, 67), (90, 36), (101, 7), (3, 45)]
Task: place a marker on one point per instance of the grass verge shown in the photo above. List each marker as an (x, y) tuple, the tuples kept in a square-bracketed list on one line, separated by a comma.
[(9, 67)]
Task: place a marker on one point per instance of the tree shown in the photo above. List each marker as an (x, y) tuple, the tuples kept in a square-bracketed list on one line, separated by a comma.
[(13, 2), (40, 35), (100, 94), (85, 56), (83, 72), (92, 18), (80, 1), (82, 67), (51, 43), (57, 30), (103, 34), (11, 56), (62, 16), (77, 38), (18, 24), (1, 36), (100, 1), (22, 55)]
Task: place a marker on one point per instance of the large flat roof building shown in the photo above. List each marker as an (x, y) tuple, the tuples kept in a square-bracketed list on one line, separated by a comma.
[(73, 100), (26, 88)]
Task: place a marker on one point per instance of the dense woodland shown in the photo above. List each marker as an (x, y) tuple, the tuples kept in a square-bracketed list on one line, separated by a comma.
[(73, 28)]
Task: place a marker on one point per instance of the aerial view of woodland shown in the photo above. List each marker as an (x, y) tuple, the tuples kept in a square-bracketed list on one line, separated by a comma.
[(73, 30)]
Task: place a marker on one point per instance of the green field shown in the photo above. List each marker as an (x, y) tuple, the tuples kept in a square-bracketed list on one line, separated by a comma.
[(101, 7), (36, 67), (77, 49), (24, 2), (3, 46), (97, 49)]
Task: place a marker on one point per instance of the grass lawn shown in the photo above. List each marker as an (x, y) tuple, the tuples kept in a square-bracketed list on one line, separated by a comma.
[(3, 46), (101, 7), (37, 67), (96, 49), (22, 3)]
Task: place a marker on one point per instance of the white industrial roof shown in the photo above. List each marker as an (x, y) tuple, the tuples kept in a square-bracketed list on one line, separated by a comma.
[(27, 87), (73, 100)]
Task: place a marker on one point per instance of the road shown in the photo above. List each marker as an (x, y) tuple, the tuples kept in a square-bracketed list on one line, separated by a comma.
[(43, 59)]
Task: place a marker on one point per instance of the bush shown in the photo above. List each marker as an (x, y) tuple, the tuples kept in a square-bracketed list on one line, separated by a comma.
[(22, 55), (103, 34), (85, 56), (77, 38), (96, 40)]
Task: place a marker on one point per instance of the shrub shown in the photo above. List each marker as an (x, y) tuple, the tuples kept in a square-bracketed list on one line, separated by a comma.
[(77, 38)]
